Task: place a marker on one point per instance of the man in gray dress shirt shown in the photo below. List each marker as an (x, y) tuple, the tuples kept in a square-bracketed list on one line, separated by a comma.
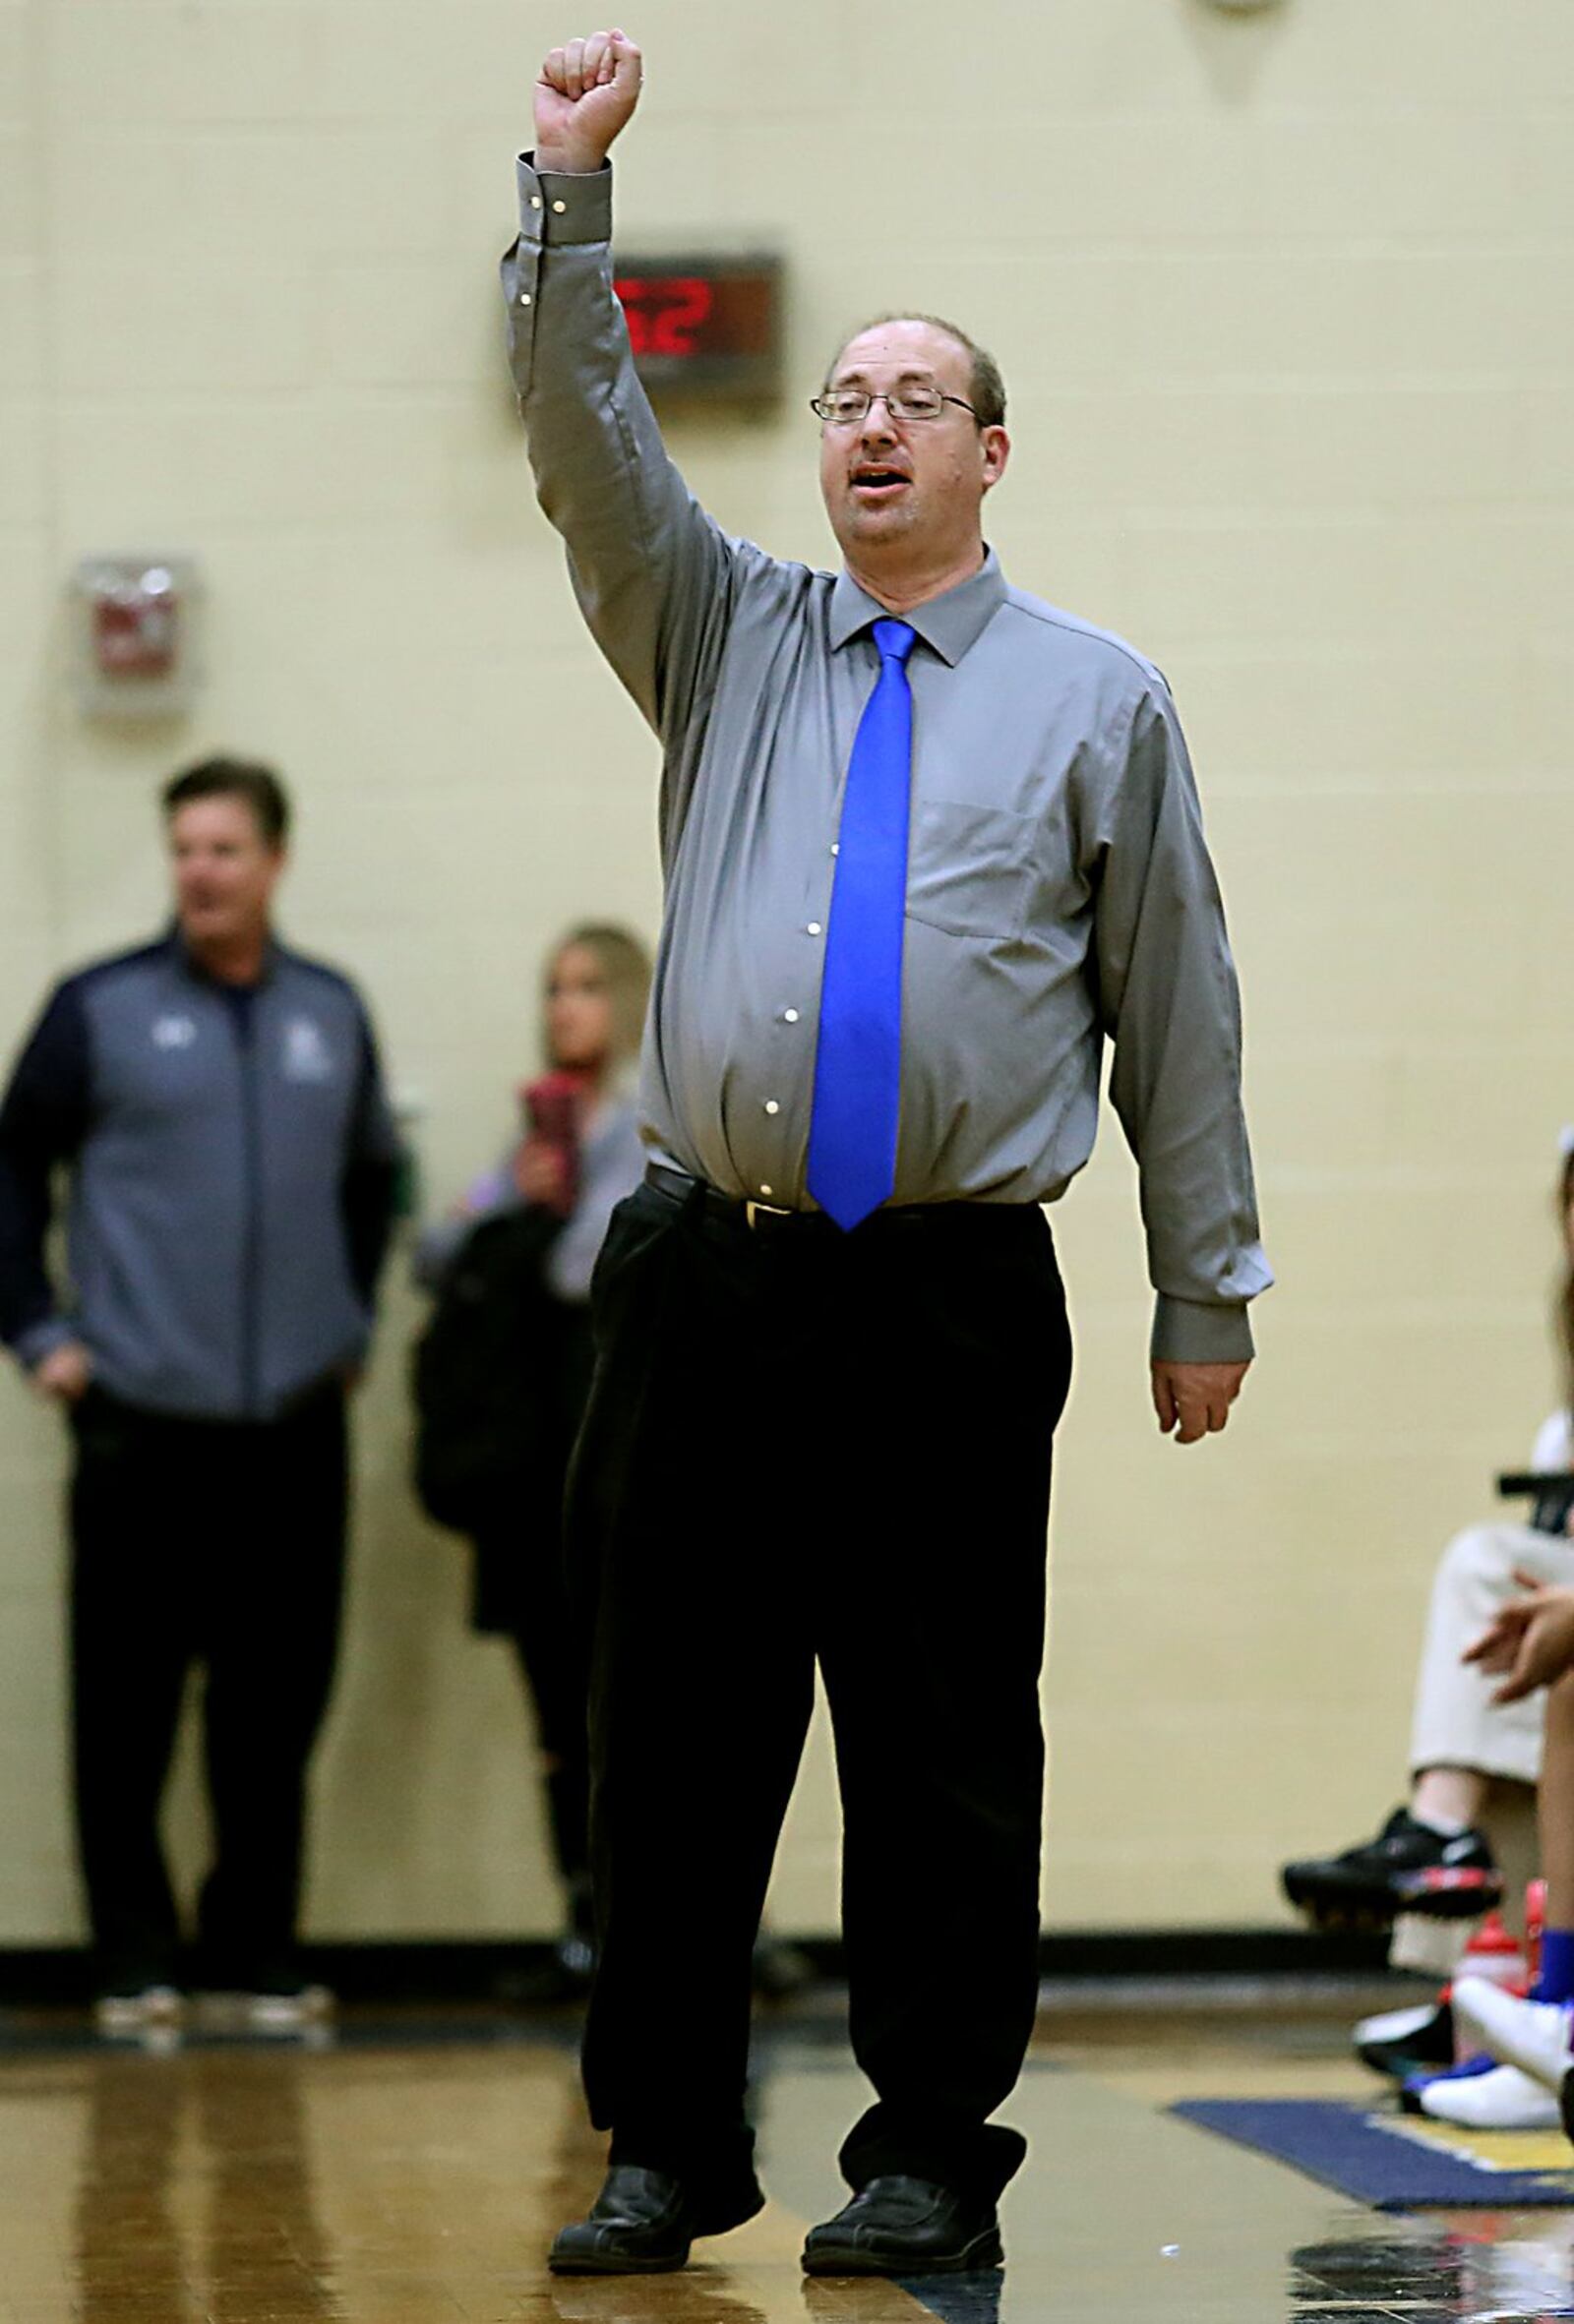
[(812, 1442)]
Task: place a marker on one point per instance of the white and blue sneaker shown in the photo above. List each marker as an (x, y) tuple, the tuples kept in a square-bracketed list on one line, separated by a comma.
[(1503, 2100), (1530, 2035), (1466, 2071)]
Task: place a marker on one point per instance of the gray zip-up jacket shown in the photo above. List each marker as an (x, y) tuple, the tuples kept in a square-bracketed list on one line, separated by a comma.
[(232, 1168)]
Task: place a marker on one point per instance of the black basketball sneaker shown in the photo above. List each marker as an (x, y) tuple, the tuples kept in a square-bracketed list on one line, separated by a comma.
[(1407, 1869)]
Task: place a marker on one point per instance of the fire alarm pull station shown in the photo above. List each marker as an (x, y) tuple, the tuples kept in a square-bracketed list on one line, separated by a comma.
[(136, 636)]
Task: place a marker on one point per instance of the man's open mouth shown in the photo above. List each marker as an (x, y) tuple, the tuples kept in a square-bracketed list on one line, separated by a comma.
[(877, 481)]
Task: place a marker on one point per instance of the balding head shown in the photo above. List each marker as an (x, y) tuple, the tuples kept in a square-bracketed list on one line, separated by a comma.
[(905, 494), (988, 388)]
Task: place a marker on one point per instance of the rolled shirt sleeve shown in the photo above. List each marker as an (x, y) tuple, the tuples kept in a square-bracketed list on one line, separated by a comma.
[(652, 572)]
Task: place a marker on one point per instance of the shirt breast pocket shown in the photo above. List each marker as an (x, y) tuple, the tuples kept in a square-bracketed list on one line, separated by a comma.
[(969, 869)]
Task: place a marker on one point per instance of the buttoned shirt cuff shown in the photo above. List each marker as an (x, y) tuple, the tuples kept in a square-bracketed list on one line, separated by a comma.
[(557, 207), (1194, 1332), (31, 1346)]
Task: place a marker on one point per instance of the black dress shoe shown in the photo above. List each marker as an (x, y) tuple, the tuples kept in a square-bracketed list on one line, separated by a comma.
[(642, 2223), (905, 2226)]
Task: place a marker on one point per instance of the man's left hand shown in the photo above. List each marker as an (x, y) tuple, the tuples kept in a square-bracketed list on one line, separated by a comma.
[(1194, 1401)]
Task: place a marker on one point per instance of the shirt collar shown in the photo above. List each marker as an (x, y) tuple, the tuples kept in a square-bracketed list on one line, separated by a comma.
[(949, 624)]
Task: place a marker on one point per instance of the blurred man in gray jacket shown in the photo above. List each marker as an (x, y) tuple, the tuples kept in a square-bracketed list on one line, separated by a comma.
[(218, 1102)]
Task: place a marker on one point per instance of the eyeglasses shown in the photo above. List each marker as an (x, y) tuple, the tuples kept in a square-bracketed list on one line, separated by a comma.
[(844, 407)]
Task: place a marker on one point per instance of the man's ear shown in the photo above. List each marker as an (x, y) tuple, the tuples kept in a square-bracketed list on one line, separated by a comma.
[(996, 452)]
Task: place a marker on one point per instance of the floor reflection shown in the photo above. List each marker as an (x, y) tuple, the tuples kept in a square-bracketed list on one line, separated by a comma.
[(127, 2236), (1482, 2266), (398, 2183), (961, 2300), (627, 2299), (194, 2197)]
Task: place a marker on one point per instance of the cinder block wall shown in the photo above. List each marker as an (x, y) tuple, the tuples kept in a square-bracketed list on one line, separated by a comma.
[(1282, 303)]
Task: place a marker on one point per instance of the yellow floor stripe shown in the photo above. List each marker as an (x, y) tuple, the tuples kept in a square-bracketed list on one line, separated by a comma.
[(1489, 2150)]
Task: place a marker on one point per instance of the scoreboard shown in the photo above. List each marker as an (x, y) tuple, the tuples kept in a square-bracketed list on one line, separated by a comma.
[(708, 328)]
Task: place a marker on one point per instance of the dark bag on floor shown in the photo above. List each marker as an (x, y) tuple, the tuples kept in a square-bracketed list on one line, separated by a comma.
[(477, 1371)]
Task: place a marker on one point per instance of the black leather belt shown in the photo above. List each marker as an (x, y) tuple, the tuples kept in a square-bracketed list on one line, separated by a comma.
[(679, 1187), (765, 1217)]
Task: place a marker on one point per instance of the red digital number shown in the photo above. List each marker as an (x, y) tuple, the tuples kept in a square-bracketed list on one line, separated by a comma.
[(666, 316)]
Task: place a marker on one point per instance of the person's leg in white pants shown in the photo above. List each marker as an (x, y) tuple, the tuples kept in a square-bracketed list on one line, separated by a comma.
[(1465, 1748), (1460, 1739)]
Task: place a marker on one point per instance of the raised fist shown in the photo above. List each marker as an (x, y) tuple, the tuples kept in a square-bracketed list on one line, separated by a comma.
[(583, 97)]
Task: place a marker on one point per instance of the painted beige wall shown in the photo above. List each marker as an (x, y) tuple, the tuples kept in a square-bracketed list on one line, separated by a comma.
[(1283, 301)]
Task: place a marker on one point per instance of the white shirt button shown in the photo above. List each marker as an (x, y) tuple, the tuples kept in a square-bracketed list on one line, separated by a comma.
[(559, 208), (771, 1105), (815, 928), (536, 201), (524, 298), (767, 1190), (789, 1016), (835, 846)]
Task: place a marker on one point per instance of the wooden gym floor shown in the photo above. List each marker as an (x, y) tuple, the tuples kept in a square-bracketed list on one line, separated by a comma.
[(413, 2172)]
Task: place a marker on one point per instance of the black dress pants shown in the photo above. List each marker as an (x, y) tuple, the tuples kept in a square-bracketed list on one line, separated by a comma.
[(198, 1541), (807, 1446)]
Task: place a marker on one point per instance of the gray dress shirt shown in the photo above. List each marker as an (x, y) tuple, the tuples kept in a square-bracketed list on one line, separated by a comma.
[(1058, 885)]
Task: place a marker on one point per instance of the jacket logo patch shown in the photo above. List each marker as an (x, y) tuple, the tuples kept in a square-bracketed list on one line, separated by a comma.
[(307, 1056), (174, 1033)]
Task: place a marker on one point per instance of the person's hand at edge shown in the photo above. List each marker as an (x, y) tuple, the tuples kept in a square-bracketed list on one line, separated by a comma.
[(64, 1375), (1531, 1641), (585, 98), (1194, 1401)]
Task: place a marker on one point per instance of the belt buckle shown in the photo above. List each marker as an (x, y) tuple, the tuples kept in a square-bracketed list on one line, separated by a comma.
[(754, 1211)]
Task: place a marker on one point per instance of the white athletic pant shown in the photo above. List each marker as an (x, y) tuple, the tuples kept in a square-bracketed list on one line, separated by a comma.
[(1456, 1723)]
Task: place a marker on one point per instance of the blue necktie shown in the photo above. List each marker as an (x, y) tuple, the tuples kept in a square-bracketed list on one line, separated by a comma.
[(857, 1068)]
